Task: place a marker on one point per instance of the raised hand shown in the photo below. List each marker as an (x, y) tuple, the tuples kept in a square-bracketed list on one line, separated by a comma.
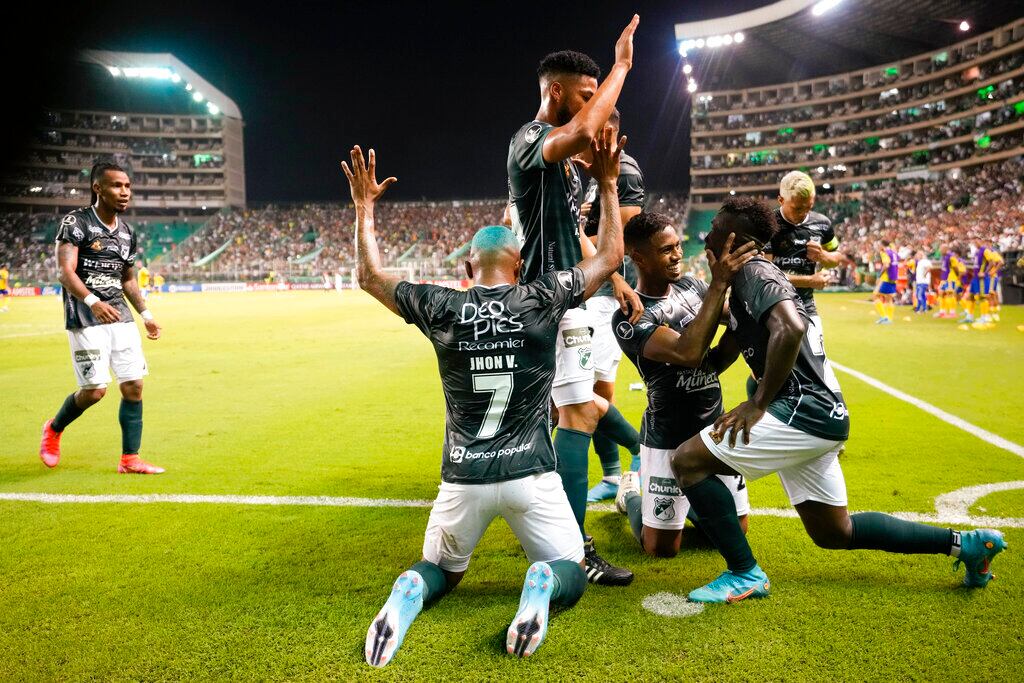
[(624, 45), (362, 179), (605, 153), (724, 269)]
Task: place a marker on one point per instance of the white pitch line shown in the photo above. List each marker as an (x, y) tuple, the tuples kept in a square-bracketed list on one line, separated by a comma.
[(935, 411), (953, 513), (29, 334)]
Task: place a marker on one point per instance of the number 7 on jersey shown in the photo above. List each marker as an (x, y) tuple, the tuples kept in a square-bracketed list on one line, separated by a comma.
[(499, 385)]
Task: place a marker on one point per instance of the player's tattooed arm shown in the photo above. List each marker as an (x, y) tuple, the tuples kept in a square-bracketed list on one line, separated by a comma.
[(785, 331), (689, 348), (362, 180), (67, 263), (572, 138), (133, 292), (604, 168)]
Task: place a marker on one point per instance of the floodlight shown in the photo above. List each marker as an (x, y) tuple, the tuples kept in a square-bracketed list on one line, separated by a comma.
[(114, 71), (738, 37), (965, 26), (687, 69), (824, 6), (691, 86), (212, 108), (197, 96)]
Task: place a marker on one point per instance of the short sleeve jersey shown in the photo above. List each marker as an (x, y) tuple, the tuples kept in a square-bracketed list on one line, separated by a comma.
[(103, 256), (631, 193), (495, 352), (789, 249), (544, 203), (810, 399), (680, 401)]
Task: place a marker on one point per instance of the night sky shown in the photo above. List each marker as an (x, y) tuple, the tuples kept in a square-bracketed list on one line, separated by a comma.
[(437, 89)]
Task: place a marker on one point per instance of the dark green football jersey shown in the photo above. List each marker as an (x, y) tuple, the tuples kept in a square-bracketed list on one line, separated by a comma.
[(681, 401), (810, 399), (631, 193), (544, 202), (789, 249), (103, 256), (495, 351)]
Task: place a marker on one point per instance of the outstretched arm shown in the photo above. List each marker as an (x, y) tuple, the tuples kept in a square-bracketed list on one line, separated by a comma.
[(366, 191), (605, 170), (574, 137)]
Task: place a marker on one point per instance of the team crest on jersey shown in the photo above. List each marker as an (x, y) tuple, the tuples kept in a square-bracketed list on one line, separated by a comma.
[(665, 508), (124, 251), (532, 133), (96, 245), (88, 370), (585, 357)]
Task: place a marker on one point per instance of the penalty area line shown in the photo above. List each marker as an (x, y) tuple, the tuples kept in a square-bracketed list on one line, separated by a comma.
[(935, 411)]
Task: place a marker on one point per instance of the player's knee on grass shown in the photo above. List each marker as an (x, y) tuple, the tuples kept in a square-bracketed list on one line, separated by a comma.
[(132, 390), (663, 543), (89, 397)]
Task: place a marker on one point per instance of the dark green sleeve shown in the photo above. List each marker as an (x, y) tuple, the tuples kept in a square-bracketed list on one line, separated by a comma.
[(631, 189), (567, 287), (71, 230), (420, 305), (528, 146), (133, 248), (633, 338)]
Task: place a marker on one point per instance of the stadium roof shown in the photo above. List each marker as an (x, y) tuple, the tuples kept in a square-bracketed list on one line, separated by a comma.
[(788, 41), (164, 66)]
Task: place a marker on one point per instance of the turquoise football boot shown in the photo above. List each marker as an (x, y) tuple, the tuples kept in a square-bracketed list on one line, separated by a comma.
[(733, 587), (977, 548), (389, 627)]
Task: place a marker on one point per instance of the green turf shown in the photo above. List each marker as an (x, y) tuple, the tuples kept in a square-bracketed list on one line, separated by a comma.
[(309, 393)]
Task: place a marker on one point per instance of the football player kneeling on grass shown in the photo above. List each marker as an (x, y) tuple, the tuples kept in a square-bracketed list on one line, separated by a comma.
[(794, 424), (495, 345), (669, 345)]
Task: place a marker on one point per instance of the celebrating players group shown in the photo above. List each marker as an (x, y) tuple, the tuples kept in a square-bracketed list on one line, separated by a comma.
[(546, 320)]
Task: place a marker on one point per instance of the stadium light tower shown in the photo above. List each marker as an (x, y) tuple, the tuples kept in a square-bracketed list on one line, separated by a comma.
[(824, 6), (965, 25), (727, 32)]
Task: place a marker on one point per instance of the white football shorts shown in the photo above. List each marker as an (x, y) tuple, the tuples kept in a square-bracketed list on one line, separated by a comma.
[(98, 349), (807, 465), (606, 353), (534, 506), (574, 361), (664, 506)]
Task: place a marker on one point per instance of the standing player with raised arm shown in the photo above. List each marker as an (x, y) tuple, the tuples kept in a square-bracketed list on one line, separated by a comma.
[(669, 346), (544, 191), (610, 298), (495, 345), (96, 253), (794, 425)]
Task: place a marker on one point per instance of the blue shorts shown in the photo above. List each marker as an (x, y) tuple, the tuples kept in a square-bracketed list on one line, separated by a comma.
[(981, 285), (887, 288), (4, 292)]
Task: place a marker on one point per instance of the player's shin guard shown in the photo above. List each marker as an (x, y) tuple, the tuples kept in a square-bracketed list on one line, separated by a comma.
[(68, 413), (130, 417), (714, 505), (571, 449), (878, 531), (569, 583), (435, 585), (608, 452), (617, 428), (634, 511)]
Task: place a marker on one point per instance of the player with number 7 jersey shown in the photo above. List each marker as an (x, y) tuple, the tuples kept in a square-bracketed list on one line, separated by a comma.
[(495, 345)]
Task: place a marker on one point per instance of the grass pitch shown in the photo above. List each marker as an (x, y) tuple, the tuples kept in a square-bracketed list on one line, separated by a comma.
[(315, 394)]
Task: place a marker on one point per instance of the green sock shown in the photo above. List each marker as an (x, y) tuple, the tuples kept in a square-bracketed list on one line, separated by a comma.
[(608, 451), (634, 512), (435, 585), (68, 413), (569, 582), (877, 531), (712, 501), (617, 428), (130, 417), (571, 449)]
